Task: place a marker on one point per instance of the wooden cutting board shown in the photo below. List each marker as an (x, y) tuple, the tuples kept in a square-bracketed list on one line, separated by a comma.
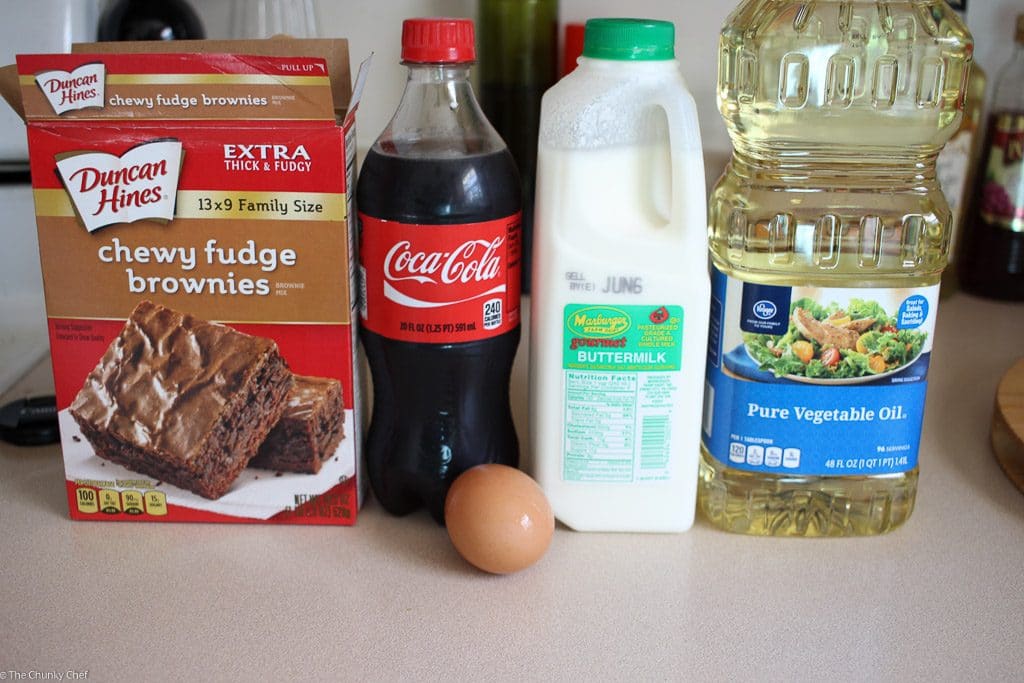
[(1008, 424)]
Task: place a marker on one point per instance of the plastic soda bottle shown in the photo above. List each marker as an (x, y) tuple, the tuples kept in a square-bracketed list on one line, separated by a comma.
[(619, 310), (439, 206), (829, 234)]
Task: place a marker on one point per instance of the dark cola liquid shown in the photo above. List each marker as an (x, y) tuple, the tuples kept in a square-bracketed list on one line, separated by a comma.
[(438, 409)]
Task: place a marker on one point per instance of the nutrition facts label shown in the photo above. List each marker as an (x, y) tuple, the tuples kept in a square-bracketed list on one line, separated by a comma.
[(90, 500), (617, 426), (769, 456), (621, 366)]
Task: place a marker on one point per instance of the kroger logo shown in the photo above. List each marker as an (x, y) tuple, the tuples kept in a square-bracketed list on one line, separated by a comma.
[(765, 310)]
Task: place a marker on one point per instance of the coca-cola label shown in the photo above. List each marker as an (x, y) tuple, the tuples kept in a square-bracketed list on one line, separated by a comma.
[(140, 184), (440, 284), (76, 89)]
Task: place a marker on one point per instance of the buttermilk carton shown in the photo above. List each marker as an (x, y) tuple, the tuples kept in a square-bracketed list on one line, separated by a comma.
[(193, 207)]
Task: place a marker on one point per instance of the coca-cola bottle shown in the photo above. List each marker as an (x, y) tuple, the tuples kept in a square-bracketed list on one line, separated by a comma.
[(439, 204)]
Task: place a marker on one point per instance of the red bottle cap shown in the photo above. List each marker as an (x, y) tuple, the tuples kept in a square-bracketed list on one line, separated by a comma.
[(573, 47), (438, 40)]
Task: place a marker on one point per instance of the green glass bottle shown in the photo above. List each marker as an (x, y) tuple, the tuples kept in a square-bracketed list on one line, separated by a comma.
[(518, 61)]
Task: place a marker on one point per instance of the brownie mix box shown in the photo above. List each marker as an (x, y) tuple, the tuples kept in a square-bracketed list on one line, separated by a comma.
[(193, 213)]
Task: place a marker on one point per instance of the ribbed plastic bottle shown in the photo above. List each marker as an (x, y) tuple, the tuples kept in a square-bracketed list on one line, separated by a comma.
[(828, 237)]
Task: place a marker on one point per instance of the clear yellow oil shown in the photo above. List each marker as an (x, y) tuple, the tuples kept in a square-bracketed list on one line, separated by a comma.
[(772, 505), (837, 111), (775, 505)]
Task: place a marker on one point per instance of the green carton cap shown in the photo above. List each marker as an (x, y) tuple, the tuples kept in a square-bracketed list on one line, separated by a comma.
[(629, 39)]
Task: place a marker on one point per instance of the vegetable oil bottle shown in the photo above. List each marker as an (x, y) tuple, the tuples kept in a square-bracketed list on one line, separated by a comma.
[(828, 236)]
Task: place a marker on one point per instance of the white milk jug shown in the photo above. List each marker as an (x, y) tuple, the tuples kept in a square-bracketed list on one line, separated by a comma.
[(620, 288)]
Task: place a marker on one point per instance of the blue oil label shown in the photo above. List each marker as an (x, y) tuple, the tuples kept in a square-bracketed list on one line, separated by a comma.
[(817, 381)]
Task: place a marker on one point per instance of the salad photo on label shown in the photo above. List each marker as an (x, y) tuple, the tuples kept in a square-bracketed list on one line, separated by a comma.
[(827, 337), (825, 343)]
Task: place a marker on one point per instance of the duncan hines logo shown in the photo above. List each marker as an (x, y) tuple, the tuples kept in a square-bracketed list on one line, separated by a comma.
[(78, 89), (467, 271), (140, 184)]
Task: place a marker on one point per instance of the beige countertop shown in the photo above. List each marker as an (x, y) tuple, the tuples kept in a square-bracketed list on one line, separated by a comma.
[(941, 598)]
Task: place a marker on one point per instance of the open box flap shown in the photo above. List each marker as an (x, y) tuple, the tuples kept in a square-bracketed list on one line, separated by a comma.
[(333, 50)]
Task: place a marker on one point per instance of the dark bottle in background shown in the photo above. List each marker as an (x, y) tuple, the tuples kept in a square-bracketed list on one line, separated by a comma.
[(439, 204), (957, 165), (518, 63), (150, 20), (992, 259)]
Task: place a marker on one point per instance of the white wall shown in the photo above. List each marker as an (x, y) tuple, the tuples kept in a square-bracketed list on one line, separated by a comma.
[(375, 26)]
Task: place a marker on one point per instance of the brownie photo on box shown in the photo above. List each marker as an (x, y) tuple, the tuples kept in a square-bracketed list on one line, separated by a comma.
[(309, 431), (183, 400)]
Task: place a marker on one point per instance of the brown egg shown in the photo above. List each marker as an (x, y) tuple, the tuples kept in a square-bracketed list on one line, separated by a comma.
[(498, 518)]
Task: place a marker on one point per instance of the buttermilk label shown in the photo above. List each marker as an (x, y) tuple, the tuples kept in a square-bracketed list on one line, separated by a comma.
[(623, 338), (141, 184), (440, 283), (76, 89), (621, 376)]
